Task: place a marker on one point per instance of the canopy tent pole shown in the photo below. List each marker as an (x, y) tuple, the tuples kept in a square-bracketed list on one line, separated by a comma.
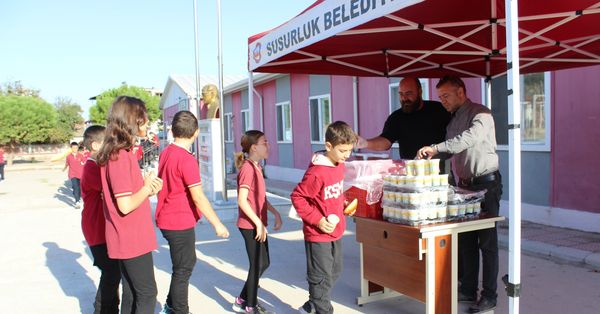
[(513, 284), (221, 122)]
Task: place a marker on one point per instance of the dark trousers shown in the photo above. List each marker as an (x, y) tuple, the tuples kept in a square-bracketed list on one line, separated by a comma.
[(2, 171), (107, 297), (486, 241), (258, 258), (323, 268), (138, 277), (182, 246), (75, 184)]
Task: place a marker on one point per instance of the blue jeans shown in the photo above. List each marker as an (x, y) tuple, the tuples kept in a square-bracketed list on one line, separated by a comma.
[(75, 184)]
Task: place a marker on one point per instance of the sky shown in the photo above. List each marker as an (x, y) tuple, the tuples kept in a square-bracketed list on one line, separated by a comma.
[(78, 49)]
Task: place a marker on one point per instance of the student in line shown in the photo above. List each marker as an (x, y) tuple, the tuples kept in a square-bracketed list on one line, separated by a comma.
[(93, 226), (319, 201), (74, 162), (252, 219), (181, 203), (130, 236)]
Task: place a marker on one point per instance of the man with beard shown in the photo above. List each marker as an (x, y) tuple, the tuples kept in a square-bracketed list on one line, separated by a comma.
[(416, 124)]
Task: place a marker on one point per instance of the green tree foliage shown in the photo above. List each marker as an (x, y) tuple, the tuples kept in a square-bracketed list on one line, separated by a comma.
[(99, 111), (69, 120), (26, 120)]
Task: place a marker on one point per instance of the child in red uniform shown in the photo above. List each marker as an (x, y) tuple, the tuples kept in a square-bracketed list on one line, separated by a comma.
[(75, 163), (130, 234), (181, 203), (317, 198), (93, 226), (252, 220)]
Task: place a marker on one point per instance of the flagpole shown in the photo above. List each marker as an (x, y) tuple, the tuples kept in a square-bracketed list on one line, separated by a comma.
[(220, 65)]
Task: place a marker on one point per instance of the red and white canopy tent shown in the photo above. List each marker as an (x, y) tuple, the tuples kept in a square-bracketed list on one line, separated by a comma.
[(431, 38)]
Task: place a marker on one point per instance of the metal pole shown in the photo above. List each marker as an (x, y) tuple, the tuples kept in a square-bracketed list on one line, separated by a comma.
[(514, 151), (220, 67), (197, 65)]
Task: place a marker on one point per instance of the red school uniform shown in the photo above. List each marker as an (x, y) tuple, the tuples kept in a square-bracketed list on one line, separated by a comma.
[(75, 163), (250, 177), (92, 216), (179, 171), (131, 235), (319, 194)]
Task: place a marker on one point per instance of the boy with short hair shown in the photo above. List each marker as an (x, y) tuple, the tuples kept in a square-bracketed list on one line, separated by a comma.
[(93, 227), (319, 201), (74, 162), (181, 203)]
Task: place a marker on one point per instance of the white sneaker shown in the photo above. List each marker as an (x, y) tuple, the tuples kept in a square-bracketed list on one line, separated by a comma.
[(77, 204)]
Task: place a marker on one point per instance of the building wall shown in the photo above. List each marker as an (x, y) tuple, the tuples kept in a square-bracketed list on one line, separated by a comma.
[(342, 99), (236, 105), (285, 150), (299, 93), (373, 105), (576, 139), (269, 94)]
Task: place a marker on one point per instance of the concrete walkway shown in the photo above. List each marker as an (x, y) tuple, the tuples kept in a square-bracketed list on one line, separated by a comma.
[(45, 266), (554, 243)]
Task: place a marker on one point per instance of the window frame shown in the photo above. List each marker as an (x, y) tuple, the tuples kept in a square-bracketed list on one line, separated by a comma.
[(394, 86), (245, 120), (546, 145), (228, 131), (320, 116), (280, 123)]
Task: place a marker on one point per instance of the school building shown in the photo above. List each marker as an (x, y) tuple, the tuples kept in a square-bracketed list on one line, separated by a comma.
[(559, 125)]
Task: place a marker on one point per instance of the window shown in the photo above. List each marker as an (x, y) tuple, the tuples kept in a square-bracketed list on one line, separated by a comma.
[(245, 120), (183, 104), (284, 122), (227, 127), (534, 106), (320, 117), (535, 111), (395, 96)]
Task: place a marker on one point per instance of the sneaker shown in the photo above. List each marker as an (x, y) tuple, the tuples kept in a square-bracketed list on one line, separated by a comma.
[(239, 305), (483, 305), (166, 309), (307, 308), (77, 204)]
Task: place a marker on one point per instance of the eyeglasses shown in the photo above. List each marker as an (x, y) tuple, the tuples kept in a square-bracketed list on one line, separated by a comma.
[(263, 143)]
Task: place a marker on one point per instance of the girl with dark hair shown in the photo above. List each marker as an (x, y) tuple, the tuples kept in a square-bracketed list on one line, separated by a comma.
[(252, 218), (130, 234)]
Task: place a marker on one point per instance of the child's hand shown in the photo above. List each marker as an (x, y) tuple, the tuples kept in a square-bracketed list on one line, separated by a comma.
[(261, 232), (221, 231), (326, 226), (278, 222), (157, 184)]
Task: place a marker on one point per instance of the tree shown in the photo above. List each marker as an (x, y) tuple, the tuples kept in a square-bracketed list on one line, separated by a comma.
[(17, 89), (99, 111), (25, 120), (69, 120)]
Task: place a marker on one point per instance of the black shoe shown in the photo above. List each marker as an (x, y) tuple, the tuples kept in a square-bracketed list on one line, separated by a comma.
[(463, 298), (484, 304)]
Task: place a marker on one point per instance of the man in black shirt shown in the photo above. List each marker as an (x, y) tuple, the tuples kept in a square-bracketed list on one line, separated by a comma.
[(416, 124)]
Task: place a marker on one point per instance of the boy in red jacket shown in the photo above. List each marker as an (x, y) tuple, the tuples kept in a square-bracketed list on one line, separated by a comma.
[(319, 201)]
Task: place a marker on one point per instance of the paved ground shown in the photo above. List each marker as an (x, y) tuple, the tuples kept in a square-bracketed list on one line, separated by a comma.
[(46, 268)]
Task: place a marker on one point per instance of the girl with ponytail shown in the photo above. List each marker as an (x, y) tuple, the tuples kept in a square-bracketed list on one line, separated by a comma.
[(252, 218)]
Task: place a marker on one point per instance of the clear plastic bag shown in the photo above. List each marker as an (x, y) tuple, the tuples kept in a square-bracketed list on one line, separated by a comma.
[(368, 175)]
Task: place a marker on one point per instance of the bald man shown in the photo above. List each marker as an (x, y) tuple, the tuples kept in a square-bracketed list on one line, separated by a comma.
[(416, 124)]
